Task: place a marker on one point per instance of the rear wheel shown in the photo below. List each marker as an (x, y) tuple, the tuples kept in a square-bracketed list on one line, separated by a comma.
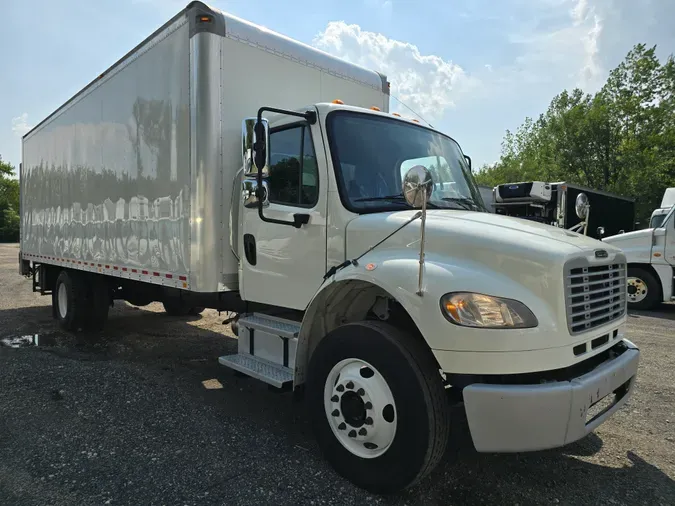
[(643, 290), (69, 300), (378, 406), (99, 303)]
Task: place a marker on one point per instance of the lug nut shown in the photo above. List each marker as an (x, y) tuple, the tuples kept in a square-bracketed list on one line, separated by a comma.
[(342, 426), (369, 421), (340, 388), (363, 432), (335, 412), (352, 433), (350, 385), (335, 398), (368, 405), (361, 392)]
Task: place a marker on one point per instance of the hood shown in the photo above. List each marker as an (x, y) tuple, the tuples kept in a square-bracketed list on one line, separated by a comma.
[(485, 230), (529, 253), (630, 237)]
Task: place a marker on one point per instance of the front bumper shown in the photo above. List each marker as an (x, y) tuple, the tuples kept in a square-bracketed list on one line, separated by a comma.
[(518, 418)]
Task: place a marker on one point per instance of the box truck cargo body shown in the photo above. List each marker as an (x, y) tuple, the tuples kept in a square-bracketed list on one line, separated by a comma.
[(135, 172), (221, 165)]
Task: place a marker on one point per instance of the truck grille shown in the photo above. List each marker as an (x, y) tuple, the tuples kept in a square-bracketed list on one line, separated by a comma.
[(594, 294)]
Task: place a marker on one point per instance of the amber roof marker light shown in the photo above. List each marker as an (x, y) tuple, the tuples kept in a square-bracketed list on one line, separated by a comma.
[(204, 19)]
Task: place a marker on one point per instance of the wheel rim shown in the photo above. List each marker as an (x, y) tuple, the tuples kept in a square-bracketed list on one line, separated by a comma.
[(63, 300), (637, 290), (360, 408)]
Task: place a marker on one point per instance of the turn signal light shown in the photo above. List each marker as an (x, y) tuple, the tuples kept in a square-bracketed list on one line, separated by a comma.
[(396, 114), (338, 101), (373, 108)]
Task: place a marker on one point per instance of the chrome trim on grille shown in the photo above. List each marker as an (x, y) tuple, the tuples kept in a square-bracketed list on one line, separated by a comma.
[(595, 294)]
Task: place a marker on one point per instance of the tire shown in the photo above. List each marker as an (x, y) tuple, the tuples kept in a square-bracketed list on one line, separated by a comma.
[(69, 300), (419, 415), (99, 303), (644, 290), (175, 307)]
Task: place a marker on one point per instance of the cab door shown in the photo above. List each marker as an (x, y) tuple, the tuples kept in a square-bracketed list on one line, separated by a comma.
[(281, 264)]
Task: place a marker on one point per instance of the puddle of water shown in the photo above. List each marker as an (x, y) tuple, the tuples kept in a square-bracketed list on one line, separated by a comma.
[(28, 340)]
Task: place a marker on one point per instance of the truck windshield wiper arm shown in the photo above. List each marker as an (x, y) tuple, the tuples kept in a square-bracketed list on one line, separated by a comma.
[(396, 197), (463, 202)]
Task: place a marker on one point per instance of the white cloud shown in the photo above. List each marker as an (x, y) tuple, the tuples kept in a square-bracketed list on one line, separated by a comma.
[(568, 51), (20, 125), (426, 83)]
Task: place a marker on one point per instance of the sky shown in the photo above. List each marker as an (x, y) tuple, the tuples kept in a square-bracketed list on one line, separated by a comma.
[(472, 68)]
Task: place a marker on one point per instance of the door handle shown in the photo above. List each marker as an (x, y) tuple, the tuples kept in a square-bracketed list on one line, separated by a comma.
[(300, 219)]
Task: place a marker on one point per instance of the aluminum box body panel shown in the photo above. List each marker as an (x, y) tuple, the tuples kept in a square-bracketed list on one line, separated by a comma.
[(107, 178)]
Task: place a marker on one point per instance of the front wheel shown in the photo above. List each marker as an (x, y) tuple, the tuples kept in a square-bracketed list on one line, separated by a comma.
[(643, 290), (378, 406)]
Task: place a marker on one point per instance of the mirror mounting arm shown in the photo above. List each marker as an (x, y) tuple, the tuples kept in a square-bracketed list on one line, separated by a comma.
[(298, 219)]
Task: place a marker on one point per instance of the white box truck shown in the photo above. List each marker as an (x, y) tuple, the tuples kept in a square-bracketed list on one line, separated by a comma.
[(222, 165), (651, 257)]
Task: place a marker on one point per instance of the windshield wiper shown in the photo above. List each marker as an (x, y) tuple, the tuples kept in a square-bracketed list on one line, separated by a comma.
[(396, 197), (463, 202)]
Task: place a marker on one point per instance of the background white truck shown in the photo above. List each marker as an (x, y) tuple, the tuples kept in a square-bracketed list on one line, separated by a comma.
[(651, 257), (197, 172)]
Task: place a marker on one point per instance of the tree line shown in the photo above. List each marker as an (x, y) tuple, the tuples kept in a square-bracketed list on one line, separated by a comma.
[(620, 139), (9, 203)]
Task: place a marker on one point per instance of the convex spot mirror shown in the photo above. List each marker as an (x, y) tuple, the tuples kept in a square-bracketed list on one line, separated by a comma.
[(255, 140), (417, 183), (251, 195), (581, 206)]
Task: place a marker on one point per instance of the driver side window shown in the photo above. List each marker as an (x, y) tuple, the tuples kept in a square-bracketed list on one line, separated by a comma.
[(293, 176)]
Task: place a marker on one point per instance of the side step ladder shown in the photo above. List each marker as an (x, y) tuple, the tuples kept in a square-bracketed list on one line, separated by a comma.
[(266, 349)]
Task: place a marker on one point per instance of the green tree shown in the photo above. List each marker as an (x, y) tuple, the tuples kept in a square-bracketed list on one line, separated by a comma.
[(620, 139), (9, 203)]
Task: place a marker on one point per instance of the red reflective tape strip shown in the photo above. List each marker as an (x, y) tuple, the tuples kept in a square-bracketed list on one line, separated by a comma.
[(155, 273), (79, 262), (182, 278), (100, 265), (116, 268), (145, 272), (169, 276), (124, 269), (134, 270), (107, 267)]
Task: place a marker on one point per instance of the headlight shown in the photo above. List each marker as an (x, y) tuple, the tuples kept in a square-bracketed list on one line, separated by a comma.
[(485, 311)]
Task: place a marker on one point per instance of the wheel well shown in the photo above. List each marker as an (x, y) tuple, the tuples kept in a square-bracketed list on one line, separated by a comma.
[(346, 302), (648, 268)]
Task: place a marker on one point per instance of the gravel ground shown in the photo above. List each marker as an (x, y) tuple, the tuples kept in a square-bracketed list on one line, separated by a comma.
[(122, 417)]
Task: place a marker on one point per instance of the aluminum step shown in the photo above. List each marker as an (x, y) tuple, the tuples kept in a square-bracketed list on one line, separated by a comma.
[(259, 368), (275, 326)]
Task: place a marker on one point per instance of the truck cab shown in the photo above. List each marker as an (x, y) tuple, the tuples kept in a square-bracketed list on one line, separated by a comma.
[(400, 289), (651, 257)]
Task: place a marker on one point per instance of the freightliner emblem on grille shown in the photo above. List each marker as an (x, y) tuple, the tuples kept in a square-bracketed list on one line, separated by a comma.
[(601, 253)]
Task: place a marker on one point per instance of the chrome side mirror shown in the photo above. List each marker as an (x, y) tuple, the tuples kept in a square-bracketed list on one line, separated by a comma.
[(250, 193), (254, 143), (581, 206), (417, 186)]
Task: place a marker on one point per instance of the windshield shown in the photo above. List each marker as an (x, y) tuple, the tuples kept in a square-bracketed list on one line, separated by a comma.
[(372, 154)]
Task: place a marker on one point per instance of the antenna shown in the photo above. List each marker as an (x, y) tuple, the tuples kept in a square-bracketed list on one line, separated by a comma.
[(411, 110)]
